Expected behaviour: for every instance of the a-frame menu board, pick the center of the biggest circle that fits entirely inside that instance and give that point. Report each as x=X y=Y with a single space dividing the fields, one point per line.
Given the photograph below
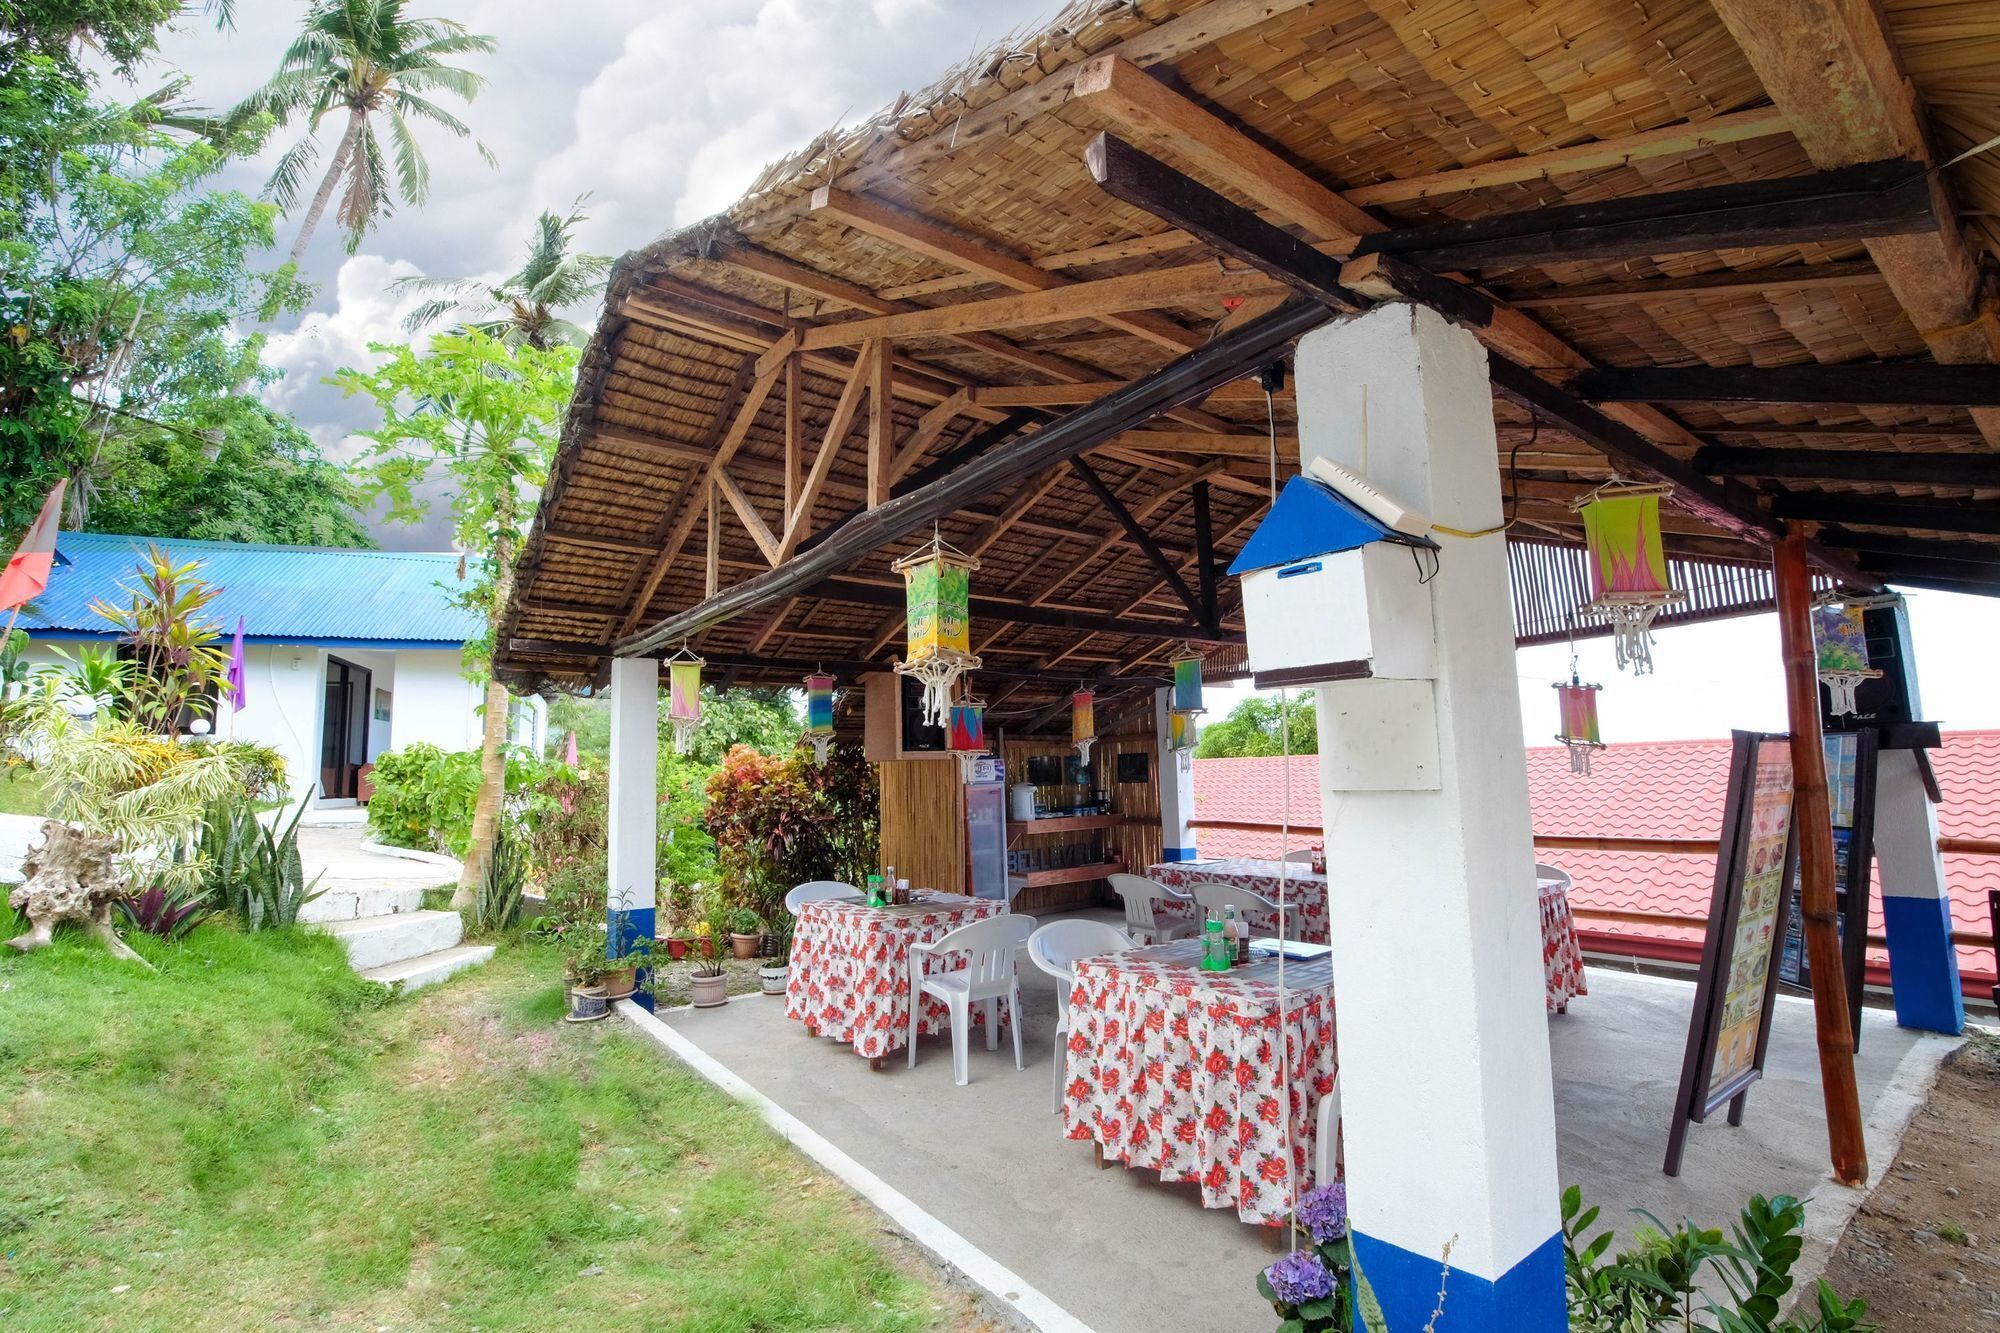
x=1850 y=783
x=1731 y=1027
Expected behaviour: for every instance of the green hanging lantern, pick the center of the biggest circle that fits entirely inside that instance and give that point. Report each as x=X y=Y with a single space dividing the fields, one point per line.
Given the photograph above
x=937 y=584
x=1628 y=567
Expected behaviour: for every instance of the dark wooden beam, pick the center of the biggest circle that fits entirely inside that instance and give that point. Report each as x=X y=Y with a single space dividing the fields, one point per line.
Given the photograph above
x=1890 y=198
x=1720 y=282
x=1136 y=531
x=1002 y=610
x=1904 y=431
x=848 y=668
x=1934 y=516
x=1204 y=554
x=1916 y=548
x=1889 y=466
x=1188 y=378
x=1974 y=576
x=1878 y=383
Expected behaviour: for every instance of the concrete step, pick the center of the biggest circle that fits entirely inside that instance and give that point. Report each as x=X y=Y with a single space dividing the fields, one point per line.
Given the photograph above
x=376 y=941
x=349 y=901
x=428 y=969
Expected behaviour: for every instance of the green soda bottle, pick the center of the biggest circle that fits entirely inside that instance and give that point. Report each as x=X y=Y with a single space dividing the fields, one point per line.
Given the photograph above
x=874 y=890
x=1214 y=947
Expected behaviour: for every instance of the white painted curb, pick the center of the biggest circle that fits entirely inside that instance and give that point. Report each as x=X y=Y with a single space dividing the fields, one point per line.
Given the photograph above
x=982 y=1269
x=410 y=854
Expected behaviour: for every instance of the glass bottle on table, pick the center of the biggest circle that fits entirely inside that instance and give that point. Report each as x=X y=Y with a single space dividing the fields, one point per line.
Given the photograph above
x=1236 y=936
x=1214 y=947
x=874 y=890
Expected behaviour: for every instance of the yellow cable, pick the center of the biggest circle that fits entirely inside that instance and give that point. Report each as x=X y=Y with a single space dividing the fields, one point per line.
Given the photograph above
x=1460 y=532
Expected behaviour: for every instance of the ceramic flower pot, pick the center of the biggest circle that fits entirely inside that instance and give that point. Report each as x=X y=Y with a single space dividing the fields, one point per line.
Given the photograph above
x=677 y=948
x=745 y=946
x=620 y=982
x=708 y=992
x=771 y=978
x=586 y=1003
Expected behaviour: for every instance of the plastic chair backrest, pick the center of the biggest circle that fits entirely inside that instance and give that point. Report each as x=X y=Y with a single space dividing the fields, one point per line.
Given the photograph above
x=1212 y=896
x=991 y=944
x=1302 y=857
x=1056 y=947
x=814 y=890
x=1139 y=895
x=1543 y=870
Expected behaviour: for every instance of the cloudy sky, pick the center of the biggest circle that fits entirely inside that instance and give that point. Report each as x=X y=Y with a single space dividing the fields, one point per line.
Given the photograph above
x=663 y=111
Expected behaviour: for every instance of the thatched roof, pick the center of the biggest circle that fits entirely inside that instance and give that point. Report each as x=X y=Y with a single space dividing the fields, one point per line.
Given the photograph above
x=975 y=189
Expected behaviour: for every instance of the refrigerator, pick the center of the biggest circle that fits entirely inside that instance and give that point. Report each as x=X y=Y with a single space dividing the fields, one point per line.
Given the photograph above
x=986 y=831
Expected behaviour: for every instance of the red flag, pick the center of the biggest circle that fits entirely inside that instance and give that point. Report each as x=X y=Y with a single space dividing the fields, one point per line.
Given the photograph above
x=27 y=572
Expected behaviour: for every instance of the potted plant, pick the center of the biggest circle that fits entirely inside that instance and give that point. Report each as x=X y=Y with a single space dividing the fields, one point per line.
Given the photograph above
x=584 y=967
x=746 y=932
x=771 y=976
x=621 y=974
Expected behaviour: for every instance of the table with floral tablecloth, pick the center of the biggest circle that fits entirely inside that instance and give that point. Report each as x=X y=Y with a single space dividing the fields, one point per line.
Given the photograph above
x=1306 y=916
x=1182 y=1071
x=850 y=970
x=1562 y=953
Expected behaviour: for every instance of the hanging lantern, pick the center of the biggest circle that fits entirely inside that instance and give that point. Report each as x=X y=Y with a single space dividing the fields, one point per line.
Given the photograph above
x=1184 y=708
x=819 y=714
x=966 y=737
x=684 y=697
x=1083 y=722
x=1628 y=567
x=937 y=584
x=1841 y=637
x=1578 y=702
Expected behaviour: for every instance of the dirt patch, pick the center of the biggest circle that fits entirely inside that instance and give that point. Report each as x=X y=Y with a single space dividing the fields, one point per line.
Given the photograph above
x=1924 y=1251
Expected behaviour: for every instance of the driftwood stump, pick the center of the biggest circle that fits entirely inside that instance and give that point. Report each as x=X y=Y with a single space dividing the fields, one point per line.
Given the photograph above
x=71 y=877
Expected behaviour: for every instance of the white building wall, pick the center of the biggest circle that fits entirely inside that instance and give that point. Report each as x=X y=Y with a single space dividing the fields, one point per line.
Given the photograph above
x=434 y=701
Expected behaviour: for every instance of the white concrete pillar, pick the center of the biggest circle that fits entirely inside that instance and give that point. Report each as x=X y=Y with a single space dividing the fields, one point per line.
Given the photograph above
x=633 y=833
x=1916 y=906
x=1446 y=1091
x=1177 y=837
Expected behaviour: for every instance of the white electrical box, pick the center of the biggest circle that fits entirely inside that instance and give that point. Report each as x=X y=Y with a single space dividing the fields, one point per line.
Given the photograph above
x=1343 y=616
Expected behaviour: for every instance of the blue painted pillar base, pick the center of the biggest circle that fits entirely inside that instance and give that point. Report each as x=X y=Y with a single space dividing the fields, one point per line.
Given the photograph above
x=624 y=929
x=1528 y=1298
x=1177 y=854
x=1923 y=964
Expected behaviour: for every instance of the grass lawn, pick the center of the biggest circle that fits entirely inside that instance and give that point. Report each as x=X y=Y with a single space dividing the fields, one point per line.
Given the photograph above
x=255 y=1138
x=20 y=793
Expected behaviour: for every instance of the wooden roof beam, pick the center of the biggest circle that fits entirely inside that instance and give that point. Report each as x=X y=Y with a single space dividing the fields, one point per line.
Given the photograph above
x=1889 y=467
x=1876 y=383
x=799 y=522
x=1721 y=282
x=1833 y=69
x=1941 y=516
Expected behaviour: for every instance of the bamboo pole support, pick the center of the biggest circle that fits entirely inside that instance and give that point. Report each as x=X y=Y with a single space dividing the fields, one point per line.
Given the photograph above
x=1812 y=825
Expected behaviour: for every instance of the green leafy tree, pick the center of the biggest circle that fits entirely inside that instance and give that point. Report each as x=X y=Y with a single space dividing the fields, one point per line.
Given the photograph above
x=484 y=419
x=368 y=60
x=1255 y=727
x=524 y=306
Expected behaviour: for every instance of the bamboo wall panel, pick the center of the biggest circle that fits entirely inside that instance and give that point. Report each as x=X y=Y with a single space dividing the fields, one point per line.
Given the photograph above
x=923 y=822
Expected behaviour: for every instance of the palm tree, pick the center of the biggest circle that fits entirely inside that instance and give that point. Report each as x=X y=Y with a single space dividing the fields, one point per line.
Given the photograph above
x=365 y=57
x=521 y=308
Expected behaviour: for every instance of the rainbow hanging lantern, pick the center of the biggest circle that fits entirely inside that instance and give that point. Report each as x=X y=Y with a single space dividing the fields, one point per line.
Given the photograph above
x=1628 y=567
x=937 y=585
x=1840 y=636
x=1578 y=702
x=819 y=714
x=1083 y=722
x=966 y=736
x=1184 y=707
x=684 y=697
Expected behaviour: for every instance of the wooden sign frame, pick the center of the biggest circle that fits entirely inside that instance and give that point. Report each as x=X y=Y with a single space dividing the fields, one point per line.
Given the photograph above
x=1856 y=885
x=1744 y=854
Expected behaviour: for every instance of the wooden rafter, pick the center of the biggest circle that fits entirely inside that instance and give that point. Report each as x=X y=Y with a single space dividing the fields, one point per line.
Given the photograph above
x=1886 y=466
x=1722 y=282
x=881 y=424
x=799 y=522
x=1833 y=69
x=1879 y=383
x=753 y=522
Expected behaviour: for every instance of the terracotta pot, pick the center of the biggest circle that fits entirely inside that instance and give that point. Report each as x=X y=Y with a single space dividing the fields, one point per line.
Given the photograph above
x=708 y=992
x=771 y=978
x=620 y=982
x=745 y=946
x=677 y=948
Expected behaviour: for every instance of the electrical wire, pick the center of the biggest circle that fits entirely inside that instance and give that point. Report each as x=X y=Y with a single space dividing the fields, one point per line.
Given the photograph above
x=1514 y=491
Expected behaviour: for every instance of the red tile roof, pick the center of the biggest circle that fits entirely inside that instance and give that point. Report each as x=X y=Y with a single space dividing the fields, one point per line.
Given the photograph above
x=1659 y=790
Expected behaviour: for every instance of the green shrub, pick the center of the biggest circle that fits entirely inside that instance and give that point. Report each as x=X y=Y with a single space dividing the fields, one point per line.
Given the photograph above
x=423 y=798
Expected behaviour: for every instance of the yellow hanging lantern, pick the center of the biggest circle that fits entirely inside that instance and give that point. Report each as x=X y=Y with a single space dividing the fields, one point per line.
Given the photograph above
x=684 y=697
x=937 y=585
x=1083 y=722
x=1840 y=638
x=1628 y=567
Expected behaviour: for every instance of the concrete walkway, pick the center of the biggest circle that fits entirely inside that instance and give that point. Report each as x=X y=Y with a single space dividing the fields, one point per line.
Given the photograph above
x=1125 y=1254
x=373 y=902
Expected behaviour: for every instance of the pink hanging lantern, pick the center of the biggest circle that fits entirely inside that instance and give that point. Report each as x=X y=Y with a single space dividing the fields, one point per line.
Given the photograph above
x=1578 y=703
x=966 y=736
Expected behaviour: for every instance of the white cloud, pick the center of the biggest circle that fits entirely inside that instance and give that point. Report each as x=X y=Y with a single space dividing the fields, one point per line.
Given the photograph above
x=365 y=311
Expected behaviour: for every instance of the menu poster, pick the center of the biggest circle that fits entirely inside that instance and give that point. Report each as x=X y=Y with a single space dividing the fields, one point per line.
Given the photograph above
x=1734 y=994
x=1851 y=759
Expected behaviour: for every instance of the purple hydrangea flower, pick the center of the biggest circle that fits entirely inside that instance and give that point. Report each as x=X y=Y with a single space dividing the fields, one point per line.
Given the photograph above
x=1300 y=1277
x=1323 y=1213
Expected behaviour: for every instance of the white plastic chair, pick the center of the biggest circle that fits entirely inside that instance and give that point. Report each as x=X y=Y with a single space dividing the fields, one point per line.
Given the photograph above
x=1054 y=949
x=1139 y=895
x=1326 y=1142
x=1212 y=896
x=814 y=890
x=1543 y=870
x=986 y=979
x=1302 y=857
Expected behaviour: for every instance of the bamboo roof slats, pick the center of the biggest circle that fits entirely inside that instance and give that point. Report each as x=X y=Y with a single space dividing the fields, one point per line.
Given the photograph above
x=960 y=232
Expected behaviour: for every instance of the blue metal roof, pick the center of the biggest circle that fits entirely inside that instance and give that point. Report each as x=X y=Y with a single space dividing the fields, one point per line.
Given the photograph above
x=285 y=594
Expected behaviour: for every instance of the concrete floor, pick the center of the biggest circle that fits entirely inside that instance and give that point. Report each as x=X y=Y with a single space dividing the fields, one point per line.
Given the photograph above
x=1125 y=1254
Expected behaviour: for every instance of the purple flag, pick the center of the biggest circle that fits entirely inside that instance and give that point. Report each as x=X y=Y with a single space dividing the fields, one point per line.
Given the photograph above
x=236 y=694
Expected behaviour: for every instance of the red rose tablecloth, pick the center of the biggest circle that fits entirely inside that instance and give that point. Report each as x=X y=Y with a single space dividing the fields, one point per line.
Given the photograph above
x=850 y=969
x=1562 y=954
x=1178 y=1071
x=1305 y=893
x=1306 y=913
